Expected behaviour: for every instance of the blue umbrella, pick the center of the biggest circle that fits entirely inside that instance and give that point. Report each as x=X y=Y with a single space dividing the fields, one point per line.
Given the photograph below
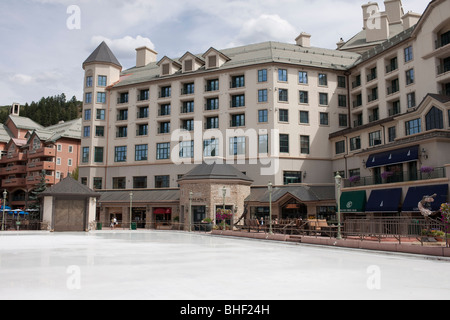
x=23 y=213
x=6 y=208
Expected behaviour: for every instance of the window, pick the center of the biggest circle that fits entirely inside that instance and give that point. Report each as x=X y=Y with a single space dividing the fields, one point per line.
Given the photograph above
x=411 y=99
x=292 y=177
x=263 y=144
x=86 y=131
x=341 y=82
x=284 y=143
x=304 y=144
x=188 y=88
x=89 y=81
x=162 y=151
x=166 y=92
x=98 y=154
x=139 y=182
x=303 y=77
x=372 y=74
x=238 y=101
x=283 y=115
x=262 y=115
x=101 y=97
x=262 y=95
x=304 y=117
x=87 y=114
x=343 y=120
x=212 y=85
x=187 y=125
x=186 y=149
x=119 y=183
x=238 y=81
x=212 y=104
x=120 y=154
x=122 y=115
x=340 y=147
x=408 y=54
x=211 y=148
x=85 y=155
x=262 y=75
x=212 y=123
x=282 y=75
x=99 y=131
x=188 y=107
x=355 y=143
x=237 y=146
x=392 y=134
x=84 y=181
x=98 y=182
x=238 y=120
x=162 y=182
x=102 y=81
x=413 y=126
x=374 y=138
x=101 y=114
x=69 y=162
x=283 y=95
x=323 y=99
x=141 y=152
x=342 y=100
x=142 y=113
x=303 y=96
x=123 y=98
x=324 y=118
x=88 y=97
x=122 y=132
x=323 y=80
x=164 y=127
x=410 y=76
x=144 y=95
x=434 y=119
x=70 y=149
x=164 y=110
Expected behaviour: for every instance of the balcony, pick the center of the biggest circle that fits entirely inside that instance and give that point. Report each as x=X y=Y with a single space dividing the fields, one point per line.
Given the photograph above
x=14 y=158
x=39 y=166
x=394 y=177
x=43 y=152
x=12 y=183
x=33 y=180
x=13 y=170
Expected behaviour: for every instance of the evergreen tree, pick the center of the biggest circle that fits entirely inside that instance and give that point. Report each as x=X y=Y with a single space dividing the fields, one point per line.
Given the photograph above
x=34 y=196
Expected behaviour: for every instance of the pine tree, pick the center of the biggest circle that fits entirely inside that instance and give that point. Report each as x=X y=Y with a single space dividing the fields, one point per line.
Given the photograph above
x=34 y=196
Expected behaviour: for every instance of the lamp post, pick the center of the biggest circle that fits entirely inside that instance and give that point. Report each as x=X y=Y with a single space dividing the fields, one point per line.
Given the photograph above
x=270 y=187
x=224 y=194
x=190 y=209
x=4 y=204
x=338 y=180
x=131 y=208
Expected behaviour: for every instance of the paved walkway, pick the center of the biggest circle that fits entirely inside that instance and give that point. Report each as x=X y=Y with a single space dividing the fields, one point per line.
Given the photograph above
x=169 y=265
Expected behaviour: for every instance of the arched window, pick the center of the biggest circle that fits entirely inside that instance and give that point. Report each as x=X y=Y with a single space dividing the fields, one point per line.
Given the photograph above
x=434 y=119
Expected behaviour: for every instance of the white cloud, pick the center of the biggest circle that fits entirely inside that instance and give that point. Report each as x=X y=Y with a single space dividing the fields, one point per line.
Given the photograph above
x=123 y=48
x=21 y=79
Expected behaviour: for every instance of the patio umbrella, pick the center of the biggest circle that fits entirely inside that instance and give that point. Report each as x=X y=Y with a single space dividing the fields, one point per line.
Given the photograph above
x=23 y=213
x=6 y=208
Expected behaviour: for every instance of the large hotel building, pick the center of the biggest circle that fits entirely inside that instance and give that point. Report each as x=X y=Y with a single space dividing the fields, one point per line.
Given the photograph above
x=376 y=110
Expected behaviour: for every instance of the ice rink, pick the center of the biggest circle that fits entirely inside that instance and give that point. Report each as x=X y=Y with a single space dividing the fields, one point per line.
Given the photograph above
x=166 y=265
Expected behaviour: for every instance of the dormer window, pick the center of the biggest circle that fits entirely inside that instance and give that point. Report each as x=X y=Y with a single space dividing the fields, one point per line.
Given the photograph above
x=214 y=58
x=212 y=62
x=188 y=65
x=191 y=62
x=165 y=69
x=168 y=66
x=36 y=143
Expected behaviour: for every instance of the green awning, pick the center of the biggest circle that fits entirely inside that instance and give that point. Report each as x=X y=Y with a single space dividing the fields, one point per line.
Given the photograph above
x=353 y=201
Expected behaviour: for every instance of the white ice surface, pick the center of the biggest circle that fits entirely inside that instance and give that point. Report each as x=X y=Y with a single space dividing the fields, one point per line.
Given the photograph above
x=161 y=265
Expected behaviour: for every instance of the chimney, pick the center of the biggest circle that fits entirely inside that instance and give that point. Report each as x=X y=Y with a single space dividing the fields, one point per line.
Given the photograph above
x=304 y=40
x=144 y=56
x=370 y=10
x=377 y=28
x=394 y=11
x=410 y=19
x=15 y=109
x=340 y=44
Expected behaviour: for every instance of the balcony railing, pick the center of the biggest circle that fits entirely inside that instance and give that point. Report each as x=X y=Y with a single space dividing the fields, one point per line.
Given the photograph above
x=43 y=152
x=395 y=177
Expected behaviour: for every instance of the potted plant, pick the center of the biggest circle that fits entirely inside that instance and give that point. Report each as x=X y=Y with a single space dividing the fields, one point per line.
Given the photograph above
x=354 y=179
x=427 y=170
x=387 y=174
x=207 y=222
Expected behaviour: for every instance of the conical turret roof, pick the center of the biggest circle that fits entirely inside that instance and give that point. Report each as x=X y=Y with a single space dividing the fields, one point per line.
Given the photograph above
x=103 y=54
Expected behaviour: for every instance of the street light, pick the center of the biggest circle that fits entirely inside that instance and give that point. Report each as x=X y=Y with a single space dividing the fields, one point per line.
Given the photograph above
x=131 y=208
x=338 y=180
x=270 y=187
x=4 y=205
x=224 y=194
x=190 y=210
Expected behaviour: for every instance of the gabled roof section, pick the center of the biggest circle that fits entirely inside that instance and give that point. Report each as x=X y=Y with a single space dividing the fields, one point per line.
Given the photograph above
x=193 y=56
x=215 y=171
x=302 y=193
x=103 y=54
x=166 y=58
x=217 y=52
x=24 y=123
x=69 y=187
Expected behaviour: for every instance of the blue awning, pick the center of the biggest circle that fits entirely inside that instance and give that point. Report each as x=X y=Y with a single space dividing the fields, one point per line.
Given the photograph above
x=393 y=157
x=386 y=200
x=415 y=195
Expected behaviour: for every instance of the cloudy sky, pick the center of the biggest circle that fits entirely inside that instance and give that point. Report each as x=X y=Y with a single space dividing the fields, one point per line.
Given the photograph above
x=44 y=42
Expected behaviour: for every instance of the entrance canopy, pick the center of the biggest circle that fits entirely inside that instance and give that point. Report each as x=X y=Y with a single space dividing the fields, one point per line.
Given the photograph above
x=415 y=195
x=393 y=157
x=385 y=200
x=353 y=201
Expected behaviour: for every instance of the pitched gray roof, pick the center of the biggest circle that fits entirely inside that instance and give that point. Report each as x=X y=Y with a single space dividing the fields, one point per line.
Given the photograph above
x=69 y=187
x=24 y=123
x=253 y=54
x=215 y=171
x=103 y=54
x=140 y=196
